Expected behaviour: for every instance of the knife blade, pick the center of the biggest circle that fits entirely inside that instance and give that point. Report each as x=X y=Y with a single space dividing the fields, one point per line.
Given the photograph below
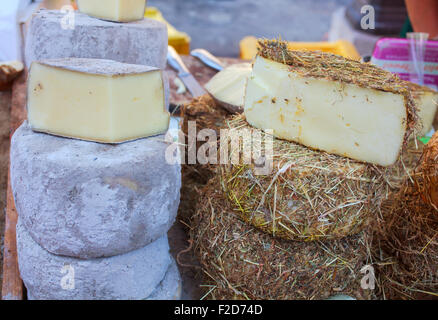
x=184 y=74
x=208 y=59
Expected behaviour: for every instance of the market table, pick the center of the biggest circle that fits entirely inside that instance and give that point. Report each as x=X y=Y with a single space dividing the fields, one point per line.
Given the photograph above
x=13 y=288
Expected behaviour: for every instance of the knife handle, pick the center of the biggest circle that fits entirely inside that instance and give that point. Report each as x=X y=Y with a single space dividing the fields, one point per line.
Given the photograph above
x=209 y=59
x=175 y=61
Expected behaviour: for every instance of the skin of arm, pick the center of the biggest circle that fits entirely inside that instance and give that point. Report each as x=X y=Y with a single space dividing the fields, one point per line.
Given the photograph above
x=424 y=16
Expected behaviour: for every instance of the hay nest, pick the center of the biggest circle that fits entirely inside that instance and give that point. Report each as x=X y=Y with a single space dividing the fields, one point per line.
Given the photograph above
x=406 y=241
x=241 y=262
x=310 y=195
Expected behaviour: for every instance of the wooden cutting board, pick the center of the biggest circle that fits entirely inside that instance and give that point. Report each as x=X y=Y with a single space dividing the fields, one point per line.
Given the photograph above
x=12 y=287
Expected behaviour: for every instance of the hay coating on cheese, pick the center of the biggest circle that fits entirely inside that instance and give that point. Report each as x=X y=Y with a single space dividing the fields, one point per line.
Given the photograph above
x=323 y=65
x=425 y=179
x=309 y=195
x=405 y=248
x=405 y=244
x=241 y=262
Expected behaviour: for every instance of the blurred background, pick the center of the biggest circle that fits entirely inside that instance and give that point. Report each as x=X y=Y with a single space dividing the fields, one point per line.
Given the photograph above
x=219 y=25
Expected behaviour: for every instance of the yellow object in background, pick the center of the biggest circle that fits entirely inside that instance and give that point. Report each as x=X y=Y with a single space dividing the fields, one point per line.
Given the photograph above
x=177 y=39
x=248 y=48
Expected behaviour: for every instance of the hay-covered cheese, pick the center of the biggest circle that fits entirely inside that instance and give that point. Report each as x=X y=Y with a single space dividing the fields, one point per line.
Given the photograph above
x=114 y=10
x=405 y=235
x=96 y=100
x=309 y=194
x=426 y=175
x=241 y=262
x=329 y=103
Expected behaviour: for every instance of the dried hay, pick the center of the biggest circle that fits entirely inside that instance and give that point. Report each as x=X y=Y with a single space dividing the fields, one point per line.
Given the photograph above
x=406 y=248
x=310 y=195
x=241 y=262
x=207 y=114
x=426 y=177
x=226 y=246
x=406 y=241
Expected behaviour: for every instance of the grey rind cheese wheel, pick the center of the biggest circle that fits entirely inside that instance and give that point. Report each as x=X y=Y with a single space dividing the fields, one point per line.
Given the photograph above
x=171 y=287
x=54 y=34
x=89 y=200
x=134 y=275
x=51 y=36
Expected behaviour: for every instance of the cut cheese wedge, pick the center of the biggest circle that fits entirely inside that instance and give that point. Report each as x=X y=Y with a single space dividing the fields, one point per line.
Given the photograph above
x=114 y=10
x=96 y=100
x=329 y=103
x=227 y=87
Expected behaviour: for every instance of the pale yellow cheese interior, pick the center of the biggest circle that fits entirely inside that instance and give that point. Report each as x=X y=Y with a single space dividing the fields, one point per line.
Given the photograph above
x=114 y=10
x=96 y=107
x=228 y=85
x=343 y=119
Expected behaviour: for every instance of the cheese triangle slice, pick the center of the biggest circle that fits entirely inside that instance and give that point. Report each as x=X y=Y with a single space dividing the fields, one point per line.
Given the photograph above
x=96 y=100
x=329 y=103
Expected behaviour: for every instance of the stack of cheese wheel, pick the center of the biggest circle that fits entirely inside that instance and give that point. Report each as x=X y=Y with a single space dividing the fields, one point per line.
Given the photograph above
x=322 y=143
x=94 y=193
x=338 y=128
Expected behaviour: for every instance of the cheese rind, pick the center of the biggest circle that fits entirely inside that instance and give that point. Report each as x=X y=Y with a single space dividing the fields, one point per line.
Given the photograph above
x=130 y=276
x=96 y=100
x=171 y=286
x=140 y=42
x=360 y=123
x=88 y=200
x=114 y=10
x=168 y=289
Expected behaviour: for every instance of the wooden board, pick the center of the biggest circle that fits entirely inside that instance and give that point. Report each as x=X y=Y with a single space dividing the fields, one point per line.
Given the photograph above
x=13 y=288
